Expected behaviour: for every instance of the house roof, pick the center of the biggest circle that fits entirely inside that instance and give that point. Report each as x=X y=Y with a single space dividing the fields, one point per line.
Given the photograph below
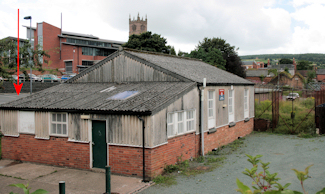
x=303 y=72
x=248 y=62
x=191 y=69
x=282 y=66
x=258 y=73
x=320 y=71
x=90 y=97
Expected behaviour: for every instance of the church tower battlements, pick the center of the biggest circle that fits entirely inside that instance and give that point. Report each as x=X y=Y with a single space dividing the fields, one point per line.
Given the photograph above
x=137 y=26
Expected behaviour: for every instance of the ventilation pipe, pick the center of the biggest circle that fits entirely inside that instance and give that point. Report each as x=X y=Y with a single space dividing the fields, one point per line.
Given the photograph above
x=202 y=116
x=143 y=151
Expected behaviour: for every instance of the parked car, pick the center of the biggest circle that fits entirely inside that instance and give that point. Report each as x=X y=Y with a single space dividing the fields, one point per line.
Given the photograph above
x=35 y=78
x=292 y=96
x=21 y=78
x=66 y=77
x=50 y=78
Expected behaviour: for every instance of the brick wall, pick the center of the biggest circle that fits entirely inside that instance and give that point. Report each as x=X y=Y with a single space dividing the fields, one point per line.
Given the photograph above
x=56 y=151
x=122 y=159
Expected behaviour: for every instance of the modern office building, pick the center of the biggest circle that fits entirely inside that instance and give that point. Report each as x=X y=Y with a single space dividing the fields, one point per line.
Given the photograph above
x=70 y=52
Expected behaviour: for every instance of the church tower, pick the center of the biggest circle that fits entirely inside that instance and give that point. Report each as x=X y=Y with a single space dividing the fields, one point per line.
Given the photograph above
x=137 y=26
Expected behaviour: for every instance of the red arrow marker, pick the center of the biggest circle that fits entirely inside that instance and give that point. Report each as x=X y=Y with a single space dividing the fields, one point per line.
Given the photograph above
x=18 y=86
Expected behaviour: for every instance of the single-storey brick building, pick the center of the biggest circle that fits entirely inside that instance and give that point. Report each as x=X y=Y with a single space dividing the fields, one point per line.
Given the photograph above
x=103 y=115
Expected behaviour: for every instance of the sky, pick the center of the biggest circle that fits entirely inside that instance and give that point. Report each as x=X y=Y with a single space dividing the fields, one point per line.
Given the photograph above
x=253 y=26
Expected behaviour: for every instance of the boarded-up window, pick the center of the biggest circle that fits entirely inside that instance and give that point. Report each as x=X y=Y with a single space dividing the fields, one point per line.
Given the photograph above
x=26 y=122
x=9 y=122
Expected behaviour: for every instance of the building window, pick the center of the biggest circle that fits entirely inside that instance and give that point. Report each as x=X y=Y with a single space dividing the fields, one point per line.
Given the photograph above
x=26 y=122
x=134 y=27
x=59 y=124
x=231 y=115
x=246 y=105
x=142 y=27
x=87 y=63
x=190 y=120
x=170 y=125
x=68 y=67
x=211 y=110
x=180 y=122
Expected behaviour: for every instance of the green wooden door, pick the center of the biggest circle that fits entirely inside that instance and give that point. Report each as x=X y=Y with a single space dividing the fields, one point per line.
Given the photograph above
x=99 y=144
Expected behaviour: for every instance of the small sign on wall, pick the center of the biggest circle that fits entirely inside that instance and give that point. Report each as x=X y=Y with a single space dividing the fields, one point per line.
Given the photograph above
x=221 y=94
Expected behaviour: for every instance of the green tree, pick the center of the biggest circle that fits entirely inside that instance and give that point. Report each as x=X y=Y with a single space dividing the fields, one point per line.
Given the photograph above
x=213 y=57
x=304 y=65
x=286 y=69
x=310 y=76
x=149 y=42
x=274 y=71
x=27 y=57
x=219 y=46
x=285 y=61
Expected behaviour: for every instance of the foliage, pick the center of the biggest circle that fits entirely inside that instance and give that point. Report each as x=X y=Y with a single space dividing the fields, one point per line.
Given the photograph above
x=213 y=56
x=8 y=58
x=286 y=125
x=313 y=57
x=165 y=180
x=285 y=61
x=274 y=71
x=149 y=42
x=262 y=77
x=286 y=69
x=265 y=183
x=218 y=46
x=304 y=65
x=26 y=189
x=310 y=76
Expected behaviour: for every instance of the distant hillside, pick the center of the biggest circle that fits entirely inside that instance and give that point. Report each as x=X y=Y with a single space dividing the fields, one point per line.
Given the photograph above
x=319 y=59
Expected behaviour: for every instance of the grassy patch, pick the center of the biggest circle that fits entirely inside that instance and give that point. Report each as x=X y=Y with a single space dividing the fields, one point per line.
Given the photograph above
x=165 y=180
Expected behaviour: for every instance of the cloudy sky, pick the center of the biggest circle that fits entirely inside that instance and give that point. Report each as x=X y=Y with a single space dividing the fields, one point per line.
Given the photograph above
x=255 y=26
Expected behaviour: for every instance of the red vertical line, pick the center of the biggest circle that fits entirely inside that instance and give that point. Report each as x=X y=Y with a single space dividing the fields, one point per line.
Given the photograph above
x=18 y=52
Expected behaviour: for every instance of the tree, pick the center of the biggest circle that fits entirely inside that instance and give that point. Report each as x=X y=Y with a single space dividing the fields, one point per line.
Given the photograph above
x=149 y=42
x=274 y=71
x=304 y=65
x=286 y=69
x=27 y=57
x=218 y=46
x=285 y=61
x=213 y=57
x=310 y=76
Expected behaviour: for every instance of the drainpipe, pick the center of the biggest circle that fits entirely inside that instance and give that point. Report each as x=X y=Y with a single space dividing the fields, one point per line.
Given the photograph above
x=143 y=151
x=202 y=116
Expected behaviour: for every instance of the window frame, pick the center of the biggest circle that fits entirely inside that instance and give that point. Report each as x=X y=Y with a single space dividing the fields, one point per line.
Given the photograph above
x=51 y=122
x=175 y=123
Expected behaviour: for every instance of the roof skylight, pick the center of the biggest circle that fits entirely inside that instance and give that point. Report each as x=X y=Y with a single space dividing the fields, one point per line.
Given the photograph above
x=123 y=95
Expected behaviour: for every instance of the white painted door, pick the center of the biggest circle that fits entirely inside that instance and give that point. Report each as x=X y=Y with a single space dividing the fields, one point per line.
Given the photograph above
x=231 y=115
x=211 y=110
x=246 y=105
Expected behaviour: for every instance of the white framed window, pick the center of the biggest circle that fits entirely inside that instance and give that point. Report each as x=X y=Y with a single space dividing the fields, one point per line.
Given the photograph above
x=170 y=125
x=59 y=124
x=211 y=109
x=190 y=120
x=180 y=122
x=246 y=104
x=231 y=115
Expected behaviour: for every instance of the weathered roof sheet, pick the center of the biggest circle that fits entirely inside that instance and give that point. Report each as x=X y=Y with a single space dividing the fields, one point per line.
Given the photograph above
x=191 y=69
x=258 y=73
x=248 y=62
x=282 y=66
x=152 y=97
x=320 y=71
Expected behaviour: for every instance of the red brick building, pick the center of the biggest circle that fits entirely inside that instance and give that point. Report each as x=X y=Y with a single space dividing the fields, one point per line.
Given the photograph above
x=70 y=52
x=129 y=104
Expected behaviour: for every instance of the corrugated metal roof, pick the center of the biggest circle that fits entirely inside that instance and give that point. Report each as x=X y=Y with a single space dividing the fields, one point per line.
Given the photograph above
x=151 y=97
x=191 y=69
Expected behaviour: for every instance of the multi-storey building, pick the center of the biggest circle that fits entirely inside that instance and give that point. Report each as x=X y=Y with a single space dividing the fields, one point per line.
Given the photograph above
x=70 y=52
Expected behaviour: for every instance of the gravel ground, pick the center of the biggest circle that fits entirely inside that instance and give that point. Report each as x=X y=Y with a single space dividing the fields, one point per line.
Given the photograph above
x=283 y=151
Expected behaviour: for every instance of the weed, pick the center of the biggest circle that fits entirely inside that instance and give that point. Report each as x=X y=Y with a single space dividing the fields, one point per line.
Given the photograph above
x=199 y=159
x=165 y=180
x=19 y=178
x=214 y=159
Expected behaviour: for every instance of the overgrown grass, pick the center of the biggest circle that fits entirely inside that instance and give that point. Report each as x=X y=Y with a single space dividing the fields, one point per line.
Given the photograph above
x=301 y=123
x=166 y=180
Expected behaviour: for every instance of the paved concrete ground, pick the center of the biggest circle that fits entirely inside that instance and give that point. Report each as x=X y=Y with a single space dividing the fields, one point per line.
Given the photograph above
x=7 y=97
x=283 y=151
x=76 y=181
